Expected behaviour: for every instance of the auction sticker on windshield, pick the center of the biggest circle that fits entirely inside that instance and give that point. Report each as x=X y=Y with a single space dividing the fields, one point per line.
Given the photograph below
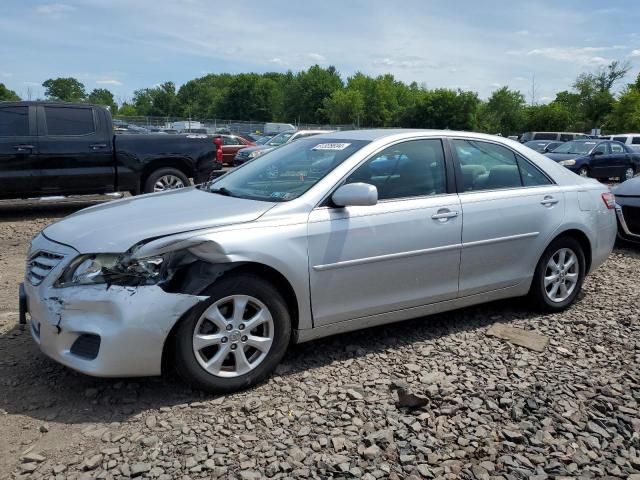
x=331 y=146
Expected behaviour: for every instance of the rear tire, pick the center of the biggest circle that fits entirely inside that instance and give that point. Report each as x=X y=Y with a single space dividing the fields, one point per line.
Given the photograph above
x=214 y=343
x=165 y=179
x=556 y=281
x=628 y=173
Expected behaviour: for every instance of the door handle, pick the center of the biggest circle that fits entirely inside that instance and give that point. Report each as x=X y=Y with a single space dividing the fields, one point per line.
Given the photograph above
x=548 y=201
x=24 y=148
x=97 y=146
x=443 y=215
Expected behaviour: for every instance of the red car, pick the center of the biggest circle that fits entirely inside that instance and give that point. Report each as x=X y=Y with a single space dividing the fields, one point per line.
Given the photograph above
x=230 y=146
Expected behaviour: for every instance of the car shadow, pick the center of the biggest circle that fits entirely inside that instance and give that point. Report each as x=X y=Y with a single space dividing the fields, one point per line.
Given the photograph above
x=37 y=387
x=53 y=207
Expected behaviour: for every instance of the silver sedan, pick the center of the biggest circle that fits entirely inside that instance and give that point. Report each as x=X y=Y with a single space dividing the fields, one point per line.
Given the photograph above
x=325 y=235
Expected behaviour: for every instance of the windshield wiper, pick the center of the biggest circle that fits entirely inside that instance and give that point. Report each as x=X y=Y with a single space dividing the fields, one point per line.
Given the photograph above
x=222 y=191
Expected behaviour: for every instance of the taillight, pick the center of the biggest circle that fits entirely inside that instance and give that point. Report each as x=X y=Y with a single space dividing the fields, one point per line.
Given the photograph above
x=609 y=200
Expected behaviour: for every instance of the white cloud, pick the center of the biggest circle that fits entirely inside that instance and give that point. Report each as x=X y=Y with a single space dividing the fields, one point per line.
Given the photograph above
x=400 y=62
x=316 y=57
x=635 y=53
x=496 y=85
x=6 y=74
x=580 y=55
x=523 y=32
x=109 y=81
x=55 y=10
x=278 y=61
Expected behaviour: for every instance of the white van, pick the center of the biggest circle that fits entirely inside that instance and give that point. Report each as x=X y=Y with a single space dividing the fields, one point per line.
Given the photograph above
x=560 y=136
x=631 y=140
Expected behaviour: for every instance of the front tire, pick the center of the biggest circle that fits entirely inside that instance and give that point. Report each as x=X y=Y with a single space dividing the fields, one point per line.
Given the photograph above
x=583 y=172
x=558 y=276
x=235 y=338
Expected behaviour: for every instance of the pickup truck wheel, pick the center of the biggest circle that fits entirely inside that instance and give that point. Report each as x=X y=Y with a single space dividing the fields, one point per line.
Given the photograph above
x=235 y=338
x=165 y=179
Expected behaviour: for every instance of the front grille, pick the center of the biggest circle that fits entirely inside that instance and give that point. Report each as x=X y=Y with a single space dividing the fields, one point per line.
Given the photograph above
x=86 y=346
x=632 y=218
x=242 y=155
x=40 y=264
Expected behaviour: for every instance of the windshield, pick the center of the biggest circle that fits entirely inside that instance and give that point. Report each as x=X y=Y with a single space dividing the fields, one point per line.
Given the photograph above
x=287 y=172
x=537 y=146
x=280 y=139
x=575 y=147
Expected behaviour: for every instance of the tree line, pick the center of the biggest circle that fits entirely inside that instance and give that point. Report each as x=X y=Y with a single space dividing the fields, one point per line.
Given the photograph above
x=320 y=95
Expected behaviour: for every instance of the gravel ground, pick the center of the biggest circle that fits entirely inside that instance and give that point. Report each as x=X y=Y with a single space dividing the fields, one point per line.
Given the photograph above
x=493 y=409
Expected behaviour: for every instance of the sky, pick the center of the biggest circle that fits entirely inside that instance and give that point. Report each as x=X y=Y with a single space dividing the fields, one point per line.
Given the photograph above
x=480 y=45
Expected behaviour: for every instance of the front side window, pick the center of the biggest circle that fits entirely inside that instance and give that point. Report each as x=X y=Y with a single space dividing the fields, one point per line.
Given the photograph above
x=486 y=166
x=14 y=121
x=564 y=137
x=280 y=139
x=577 y=147
x=620 y=139
x=635 y=140
x=230 y=141
x=287 y=172
x=409 y=169
x=546 y=136
x=601 y=148
x=69 y=121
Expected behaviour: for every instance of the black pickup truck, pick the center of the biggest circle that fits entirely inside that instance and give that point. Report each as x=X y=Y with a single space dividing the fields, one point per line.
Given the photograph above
x=70 y=149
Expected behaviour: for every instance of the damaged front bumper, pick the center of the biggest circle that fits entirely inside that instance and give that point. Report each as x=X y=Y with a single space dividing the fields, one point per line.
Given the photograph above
x=102 y=331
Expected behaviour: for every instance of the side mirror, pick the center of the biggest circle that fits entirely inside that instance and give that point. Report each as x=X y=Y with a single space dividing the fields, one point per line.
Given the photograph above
x=356 y=195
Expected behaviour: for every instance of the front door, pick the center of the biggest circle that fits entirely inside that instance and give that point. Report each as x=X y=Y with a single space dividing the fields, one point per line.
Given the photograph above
x=400 y=253
x=75 y=150
x=19 y=175
x=510 y=211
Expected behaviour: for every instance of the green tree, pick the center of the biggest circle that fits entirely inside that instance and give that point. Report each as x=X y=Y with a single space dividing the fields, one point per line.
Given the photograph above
x=504 y=112
x=304 y=98
x=625 y=114
x=344 y=106
x=7 y=95
x=102 y=96
x=443 y=109
x=157 y=101
x=64 y=89
x=554 y=117
x=127 y=109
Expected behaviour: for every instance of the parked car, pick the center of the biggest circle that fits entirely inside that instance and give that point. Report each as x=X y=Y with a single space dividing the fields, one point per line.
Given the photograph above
x=628 y=209
x=285 y=137
x=543 y=146
x=231 y=144
x=560 y=136
x=631 y=140
x=273 y=128
x=306 y=242
x=597 y=158
x=70 y=149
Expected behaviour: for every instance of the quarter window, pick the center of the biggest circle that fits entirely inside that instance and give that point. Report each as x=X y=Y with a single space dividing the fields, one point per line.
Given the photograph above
x=69 y=121
x=531 y=175
x=14 y=121
x=410 y=169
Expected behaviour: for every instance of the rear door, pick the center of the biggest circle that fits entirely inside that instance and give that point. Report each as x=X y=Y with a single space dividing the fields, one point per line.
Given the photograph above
x=75 y=150
x=510 y=210
x=230 y=146
x=602 y=165
x=19 y=175
x=619 y=159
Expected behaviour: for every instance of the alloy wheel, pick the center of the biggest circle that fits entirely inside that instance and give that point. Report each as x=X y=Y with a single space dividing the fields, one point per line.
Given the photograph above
x=561 y=275
x=167 y=182
x=629 y=173
x=233 y=336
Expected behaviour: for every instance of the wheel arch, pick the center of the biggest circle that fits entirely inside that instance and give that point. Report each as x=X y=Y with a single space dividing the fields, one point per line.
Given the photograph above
x=179 y=163
x=261 y=270
x=584 y=242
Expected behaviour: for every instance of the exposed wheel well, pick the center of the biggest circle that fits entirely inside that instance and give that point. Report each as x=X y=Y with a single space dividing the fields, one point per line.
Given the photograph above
x=177 y=163
x=270 y=274
x=584 y=242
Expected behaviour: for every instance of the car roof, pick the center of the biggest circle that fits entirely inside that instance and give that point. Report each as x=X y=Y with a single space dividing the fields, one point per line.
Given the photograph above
x=380 y=133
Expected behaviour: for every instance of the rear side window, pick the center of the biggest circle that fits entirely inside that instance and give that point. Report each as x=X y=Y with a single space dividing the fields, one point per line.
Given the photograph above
x=14 y=121
x=565 y=137
x=486 y=166
x=546 y=136
x=620 y=139
x=635 y=140
x=617 y=148
x=69 y=121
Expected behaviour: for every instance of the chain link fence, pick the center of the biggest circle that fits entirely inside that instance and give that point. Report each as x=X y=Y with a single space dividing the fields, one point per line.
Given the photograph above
x=143 y=124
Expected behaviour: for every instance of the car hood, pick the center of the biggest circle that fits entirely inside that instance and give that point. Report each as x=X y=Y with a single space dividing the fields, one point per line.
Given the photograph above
x=257 y=148
x=563 y=156
x=630 y=188
x=116 y=226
